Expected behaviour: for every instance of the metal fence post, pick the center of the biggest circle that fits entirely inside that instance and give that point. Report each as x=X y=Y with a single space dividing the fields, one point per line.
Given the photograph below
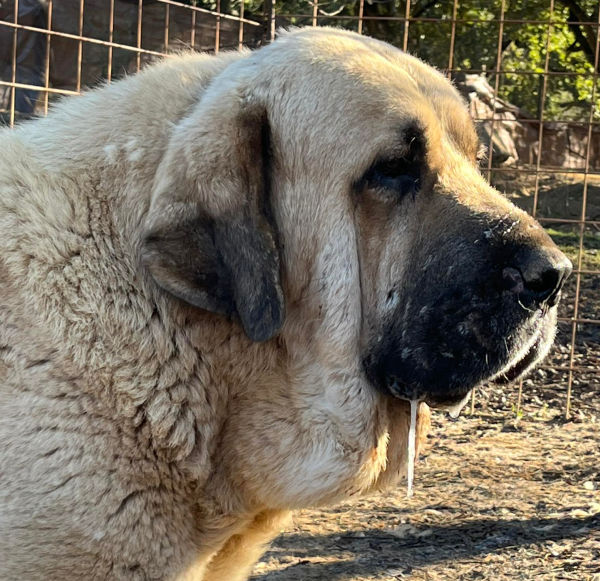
x=269 y=21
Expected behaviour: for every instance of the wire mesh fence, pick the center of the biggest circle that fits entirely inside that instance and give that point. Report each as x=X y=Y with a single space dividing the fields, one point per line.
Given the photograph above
x=528 y=70
x=50 y=48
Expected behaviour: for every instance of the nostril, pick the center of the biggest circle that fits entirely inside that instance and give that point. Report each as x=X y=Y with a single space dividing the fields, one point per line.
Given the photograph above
x=513 y=280
x=546 y=283
x=541 y=272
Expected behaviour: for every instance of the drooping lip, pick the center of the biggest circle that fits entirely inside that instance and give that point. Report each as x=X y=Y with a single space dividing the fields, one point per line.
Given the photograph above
x=455 y=401
x=455 y=408
x=518 y=361
x=522 y=365
x=452 y=402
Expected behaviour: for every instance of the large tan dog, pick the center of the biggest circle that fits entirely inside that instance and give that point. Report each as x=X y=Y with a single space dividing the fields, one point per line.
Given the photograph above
x=221 y=280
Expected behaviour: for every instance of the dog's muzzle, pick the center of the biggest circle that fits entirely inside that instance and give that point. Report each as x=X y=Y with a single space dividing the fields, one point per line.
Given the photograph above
x=497 y=328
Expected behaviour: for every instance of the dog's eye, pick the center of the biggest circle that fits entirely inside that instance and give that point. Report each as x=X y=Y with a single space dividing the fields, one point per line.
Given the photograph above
x=399 y=175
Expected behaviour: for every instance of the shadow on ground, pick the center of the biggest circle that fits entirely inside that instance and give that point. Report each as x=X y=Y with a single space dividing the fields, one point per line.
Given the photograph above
x=425 y=546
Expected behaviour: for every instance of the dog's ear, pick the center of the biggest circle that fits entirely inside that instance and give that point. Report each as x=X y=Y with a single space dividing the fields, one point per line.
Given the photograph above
x=210 y=236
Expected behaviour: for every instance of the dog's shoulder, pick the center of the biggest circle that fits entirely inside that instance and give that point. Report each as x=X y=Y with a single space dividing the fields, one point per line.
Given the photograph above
x=72 y=187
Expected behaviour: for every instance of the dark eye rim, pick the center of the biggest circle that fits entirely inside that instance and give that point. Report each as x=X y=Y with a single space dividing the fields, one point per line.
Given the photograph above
x=395 y=167
x=398 y=175
x=401 y=170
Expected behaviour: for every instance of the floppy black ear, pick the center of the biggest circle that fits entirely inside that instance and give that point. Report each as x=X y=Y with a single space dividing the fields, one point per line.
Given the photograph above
x=210 y=236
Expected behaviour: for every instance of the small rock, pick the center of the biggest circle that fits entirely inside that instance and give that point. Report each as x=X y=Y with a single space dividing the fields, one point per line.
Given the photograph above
x=405 y=530
x=594 y=507
x=494 y=542
x=398 y=573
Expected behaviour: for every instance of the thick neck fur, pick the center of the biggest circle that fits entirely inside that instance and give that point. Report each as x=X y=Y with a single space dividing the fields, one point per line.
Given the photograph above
x=168 y=384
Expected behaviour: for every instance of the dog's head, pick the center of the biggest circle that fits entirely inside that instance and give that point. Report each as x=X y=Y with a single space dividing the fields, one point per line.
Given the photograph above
x=334 y=177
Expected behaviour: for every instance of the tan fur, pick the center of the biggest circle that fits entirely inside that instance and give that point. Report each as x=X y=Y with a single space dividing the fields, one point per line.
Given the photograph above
x=142 y=438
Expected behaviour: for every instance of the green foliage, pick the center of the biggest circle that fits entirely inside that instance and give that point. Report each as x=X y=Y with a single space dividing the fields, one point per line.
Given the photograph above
x=523 y=48
x=569 y=96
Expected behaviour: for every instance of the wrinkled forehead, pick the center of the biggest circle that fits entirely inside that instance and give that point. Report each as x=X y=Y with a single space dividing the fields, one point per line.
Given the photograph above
x=331 y=91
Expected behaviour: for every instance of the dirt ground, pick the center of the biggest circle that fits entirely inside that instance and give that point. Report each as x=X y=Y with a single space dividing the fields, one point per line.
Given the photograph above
x=504 y=493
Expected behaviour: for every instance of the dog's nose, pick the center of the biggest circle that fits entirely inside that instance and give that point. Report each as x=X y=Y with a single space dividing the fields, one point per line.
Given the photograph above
x=538 y=274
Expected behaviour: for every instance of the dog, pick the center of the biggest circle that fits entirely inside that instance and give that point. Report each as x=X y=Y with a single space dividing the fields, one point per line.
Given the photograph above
x=222 y=280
